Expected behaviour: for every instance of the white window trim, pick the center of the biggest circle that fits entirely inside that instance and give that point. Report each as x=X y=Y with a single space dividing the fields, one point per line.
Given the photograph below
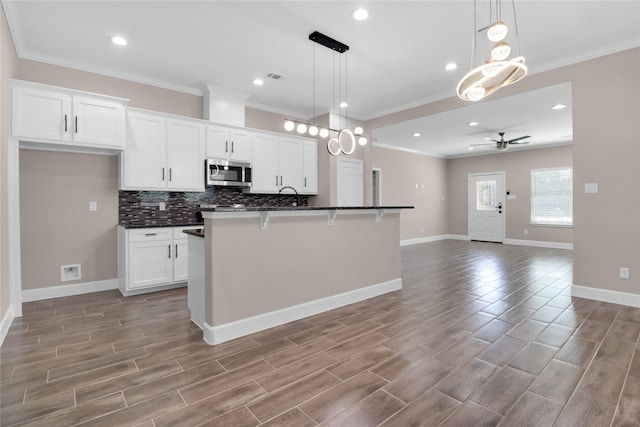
x=548 y=224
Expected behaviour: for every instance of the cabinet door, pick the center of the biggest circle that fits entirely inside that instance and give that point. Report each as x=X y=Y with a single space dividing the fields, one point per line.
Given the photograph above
x=290 y=163
x=150 y=264
x=217 y=142
x=98 y=122
x=144 y=158
x=181 y=260
x=310 y=167
x=185 y=153
x=264 y=172
x=240 y=146
x=41 y=114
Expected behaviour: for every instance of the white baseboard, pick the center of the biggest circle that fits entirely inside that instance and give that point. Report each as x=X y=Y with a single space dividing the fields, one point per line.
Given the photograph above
x=6 y=323
x=538 y=244
x=228 y=331
x=429 y=239
x=68 y=290
x=616 y=297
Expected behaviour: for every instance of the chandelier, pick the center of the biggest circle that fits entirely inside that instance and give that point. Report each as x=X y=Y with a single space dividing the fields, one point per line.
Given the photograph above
x=342 y=140
x=497 y=70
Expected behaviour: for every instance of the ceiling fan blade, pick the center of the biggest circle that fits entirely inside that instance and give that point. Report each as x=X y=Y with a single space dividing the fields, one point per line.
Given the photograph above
x=519 y=142
x=511 y=141
x=478 y=145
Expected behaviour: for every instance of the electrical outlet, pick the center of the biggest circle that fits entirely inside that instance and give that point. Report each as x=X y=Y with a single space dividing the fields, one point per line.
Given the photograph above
x=93 y=206
x=624 y=272
x=526 y=231
x=162 y=206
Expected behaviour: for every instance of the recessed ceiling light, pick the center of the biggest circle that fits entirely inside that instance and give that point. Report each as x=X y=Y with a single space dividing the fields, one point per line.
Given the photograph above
x=559 y=106
x=119 y=40
x=416 y=134
x=451 y=66
x=343 y=104
x=360 y=14
x=258 y=82
x=473 y=123
x=488 y=138
x=470 y=148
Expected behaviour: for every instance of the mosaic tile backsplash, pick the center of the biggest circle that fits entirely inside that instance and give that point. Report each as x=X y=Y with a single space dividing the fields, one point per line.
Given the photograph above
x=141 y=208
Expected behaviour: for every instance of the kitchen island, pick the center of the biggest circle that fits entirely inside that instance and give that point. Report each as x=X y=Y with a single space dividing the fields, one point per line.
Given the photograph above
x=255 y=268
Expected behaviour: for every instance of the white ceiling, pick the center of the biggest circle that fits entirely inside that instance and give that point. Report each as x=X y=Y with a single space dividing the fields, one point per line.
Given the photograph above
x=396 y=58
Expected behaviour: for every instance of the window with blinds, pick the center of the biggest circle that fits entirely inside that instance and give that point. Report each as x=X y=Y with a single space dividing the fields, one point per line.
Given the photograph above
x=552 y=196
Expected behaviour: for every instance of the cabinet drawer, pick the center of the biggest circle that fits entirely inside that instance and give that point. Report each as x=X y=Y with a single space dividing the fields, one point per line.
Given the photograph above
x=178 y=231
x=150 y=234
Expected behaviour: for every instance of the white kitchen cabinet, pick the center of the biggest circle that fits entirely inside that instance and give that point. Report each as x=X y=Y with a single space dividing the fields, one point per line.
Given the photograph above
x=310 y=167
x=284 y=161
x=228 y=143
x=150 y=258
x=180 y=255
x=162 y=154
x=47 y=114
x=185 y=155
x=290 y=162
x=265 y=171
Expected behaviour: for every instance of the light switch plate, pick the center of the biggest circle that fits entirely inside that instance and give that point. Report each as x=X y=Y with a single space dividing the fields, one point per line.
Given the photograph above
x=93 y=206
x=591 y=188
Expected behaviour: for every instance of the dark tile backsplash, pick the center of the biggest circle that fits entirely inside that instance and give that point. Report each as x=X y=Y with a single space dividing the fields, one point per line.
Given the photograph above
x=140 y=208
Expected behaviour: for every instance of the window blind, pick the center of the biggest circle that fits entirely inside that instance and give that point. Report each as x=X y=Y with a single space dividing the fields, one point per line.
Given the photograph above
x=552 y=196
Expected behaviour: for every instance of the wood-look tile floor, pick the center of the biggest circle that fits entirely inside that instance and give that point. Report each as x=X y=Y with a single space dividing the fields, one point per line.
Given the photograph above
x=481 y=334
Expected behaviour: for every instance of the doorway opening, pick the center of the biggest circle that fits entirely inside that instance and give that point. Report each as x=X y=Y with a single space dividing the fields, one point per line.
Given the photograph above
x=377 y=187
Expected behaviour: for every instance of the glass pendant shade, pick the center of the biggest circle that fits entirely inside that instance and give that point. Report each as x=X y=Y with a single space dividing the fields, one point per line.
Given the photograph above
x=362 y=140
x=358 y=130
x=302 y=128
x=313 y=130
x=497 y=31
x=289 y=125
x=324 y=133
x=500 y=51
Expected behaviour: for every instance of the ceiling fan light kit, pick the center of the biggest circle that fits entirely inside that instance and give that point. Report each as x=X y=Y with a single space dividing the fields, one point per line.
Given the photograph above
x=502 y=144
x=345 y=141
x=499 y=71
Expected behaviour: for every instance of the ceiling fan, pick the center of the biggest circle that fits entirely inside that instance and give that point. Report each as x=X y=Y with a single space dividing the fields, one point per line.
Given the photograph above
x=502 y=144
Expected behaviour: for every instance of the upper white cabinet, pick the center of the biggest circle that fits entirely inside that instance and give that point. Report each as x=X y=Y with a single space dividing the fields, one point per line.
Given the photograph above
x=162 y=154
x=265 y=174
x=42 y=113
x=228 y=143
x=310 y=167
x=280 y=161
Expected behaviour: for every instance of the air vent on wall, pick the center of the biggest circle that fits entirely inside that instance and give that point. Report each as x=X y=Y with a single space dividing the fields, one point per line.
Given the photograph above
x=275 y=76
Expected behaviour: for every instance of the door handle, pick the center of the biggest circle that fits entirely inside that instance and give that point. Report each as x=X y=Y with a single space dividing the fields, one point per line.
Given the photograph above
x=176 y=251
x=65 y=123
x=169 y=251
x=76 y=124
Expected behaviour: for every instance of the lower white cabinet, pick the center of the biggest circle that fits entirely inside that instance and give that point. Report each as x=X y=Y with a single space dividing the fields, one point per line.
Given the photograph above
x=149 y=258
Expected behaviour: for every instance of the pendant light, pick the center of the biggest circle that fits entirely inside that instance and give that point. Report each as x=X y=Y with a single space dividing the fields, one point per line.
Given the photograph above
x=343 y=141
x=499 y=71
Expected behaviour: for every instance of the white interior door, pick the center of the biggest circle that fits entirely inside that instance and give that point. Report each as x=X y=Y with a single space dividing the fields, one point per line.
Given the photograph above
x=486 y=207
x=350 y=182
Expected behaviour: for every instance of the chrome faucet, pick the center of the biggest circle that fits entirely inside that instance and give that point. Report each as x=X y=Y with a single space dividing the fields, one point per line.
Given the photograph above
x=294 y=190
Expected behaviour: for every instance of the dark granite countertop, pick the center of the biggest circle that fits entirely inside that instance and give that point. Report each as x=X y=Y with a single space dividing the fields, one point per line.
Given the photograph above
x=131 y=226
x=294 y=208
x=198 y=232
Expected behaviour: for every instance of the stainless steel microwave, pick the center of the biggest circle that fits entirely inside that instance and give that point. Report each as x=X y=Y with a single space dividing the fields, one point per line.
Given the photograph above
x=224 y=172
